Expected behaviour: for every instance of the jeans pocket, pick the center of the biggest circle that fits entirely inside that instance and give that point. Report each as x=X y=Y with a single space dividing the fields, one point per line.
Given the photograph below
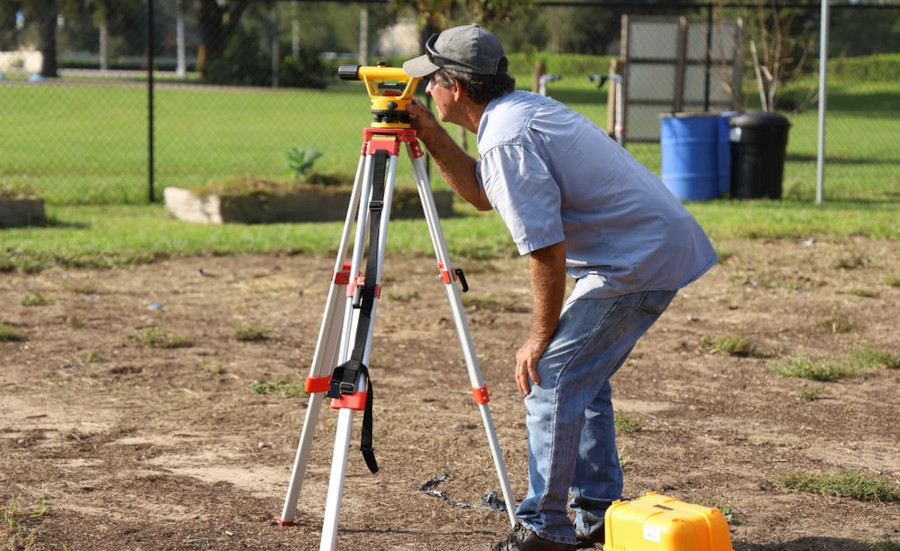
x=656 y=302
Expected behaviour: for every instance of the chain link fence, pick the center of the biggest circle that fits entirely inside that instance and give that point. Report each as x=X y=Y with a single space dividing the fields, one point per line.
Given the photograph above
x=239 y=89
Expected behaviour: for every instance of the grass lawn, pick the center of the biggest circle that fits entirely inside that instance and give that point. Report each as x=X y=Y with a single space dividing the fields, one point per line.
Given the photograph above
x=119 y=235
x=86 y=142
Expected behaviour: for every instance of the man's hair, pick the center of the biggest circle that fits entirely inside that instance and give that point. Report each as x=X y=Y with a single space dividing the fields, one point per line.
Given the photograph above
x=480 y=88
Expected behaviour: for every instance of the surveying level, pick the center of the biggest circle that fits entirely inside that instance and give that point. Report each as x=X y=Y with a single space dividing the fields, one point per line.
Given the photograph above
x=390 y=90
x=339 y=367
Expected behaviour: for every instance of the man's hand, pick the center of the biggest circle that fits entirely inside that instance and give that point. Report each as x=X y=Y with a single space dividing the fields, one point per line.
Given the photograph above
x=526 y=363
x=422 y=120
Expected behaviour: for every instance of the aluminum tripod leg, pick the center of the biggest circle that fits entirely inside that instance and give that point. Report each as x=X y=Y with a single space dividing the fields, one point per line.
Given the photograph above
x=345 y=415
x=325 y=356
x=479 y=390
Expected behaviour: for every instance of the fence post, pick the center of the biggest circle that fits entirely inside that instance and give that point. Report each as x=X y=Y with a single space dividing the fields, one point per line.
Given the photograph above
x=150 y=62
x=708 y=61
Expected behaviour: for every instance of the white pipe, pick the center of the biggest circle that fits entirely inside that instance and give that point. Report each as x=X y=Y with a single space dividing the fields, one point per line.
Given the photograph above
x=181 y=68
x=544 y=80
x=823 y=66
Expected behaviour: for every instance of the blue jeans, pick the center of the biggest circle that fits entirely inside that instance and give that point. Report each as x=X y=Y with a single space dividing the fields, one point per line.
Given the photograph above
x=569 y=415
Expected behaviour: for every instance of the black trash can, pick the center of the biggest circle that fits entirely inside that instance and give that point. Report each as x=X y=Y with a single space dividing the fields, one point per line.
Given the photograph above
x=758 y=144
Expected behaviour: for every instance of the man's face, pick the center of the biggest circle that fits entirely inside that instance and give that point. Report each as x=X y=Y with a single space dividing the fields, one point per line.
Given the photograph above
x=443 y=99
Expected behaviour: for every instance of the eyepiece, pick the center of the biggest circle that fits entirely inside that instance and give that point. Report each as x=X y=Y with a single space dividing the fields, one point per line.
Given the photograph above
x=349 y=72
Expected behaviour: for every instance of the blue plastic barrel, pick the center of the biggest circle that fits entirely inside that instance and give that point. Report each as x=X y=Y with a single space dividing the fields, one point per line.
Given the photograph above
x=725 y=152
x=690 y=156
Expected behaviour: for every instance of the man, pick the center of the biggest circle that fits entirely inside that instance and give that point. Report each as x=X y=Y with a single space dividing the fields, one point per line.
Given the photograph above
x=575 y=202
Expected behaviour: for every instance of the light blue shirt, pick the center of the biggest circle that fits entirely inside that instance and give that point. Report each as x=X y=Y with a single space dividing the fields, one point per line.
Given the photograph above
x=554 y=176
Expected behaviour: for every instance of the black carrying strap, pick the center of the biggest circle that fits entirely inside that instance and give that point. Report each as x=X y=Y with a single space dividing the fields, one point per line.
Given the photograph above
x=343 y=380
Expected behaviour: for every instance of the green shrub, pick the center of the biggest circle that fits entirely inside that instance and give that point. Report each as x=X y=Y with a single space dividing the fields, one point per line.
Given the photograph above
x=873 y=68
x=242 y=64
x=307 y=70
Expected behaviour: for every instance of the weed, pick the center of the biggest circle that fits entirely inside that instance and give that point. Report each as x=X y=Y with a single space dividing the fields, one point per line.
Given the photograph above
x=811 y=395
x=300 y=160
x=250 y=334
x=883 y=545
x=84 y=289
x=868 y=357
x=892 y=280
x=212 y=366
x=159 y=338
x=837 y=323
x=75 y=435
x=801 y=367
x=724 y=255
x=37 y=298
x=285 y=388
x=624 y=461
x=728 y=512
x=15 y=532
x=729 y=515
x=15 y=189
x=865 y=293
x=730 y=345
x=8 y=334
x=851 y=261
x=858 y=485
x=627 y=424
x=94 y=357
x=75 y=321
x=406 y=297
x=482 y=303
x=491 y=304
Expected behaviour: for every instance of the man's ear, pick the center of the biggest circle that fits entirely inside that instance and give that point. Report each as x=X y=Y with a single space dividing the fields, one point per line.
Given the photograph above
x=459 y=92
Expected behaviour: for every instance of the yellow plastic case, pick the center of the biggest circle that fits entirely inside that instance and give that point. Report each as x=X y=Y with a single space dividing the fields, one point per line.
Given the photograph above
x=659 y=523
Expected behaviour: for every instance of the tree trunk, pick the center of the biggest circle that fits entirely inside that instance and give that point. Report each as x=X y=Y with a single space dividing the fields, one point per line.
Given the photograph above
x=45 y=12
x=216 y=25
x=209 y=19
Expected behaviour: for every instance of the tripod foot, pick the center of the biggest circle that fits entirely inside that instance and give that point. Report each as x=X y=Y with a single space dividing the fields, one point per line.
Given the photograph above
x=280 y=522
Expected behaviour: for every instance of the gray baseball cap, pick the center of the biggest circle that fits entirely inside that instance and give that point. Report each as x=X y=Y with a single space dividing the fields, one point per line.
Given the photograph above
x=469 y=49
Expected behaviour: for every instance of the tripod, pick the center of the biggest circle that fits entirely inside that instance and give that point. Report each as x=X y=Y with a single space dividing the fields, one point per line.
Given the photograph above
x=342 y=351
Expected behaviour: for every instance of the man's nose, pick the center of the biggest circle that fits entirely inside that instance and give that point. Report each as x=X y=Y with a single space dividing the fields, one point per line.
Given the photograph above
x=429 y=86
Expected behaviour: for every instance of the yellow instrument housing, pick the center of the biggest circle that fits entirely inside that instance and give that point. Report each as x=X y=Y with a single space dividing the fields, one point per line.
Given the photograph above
x=390 y=91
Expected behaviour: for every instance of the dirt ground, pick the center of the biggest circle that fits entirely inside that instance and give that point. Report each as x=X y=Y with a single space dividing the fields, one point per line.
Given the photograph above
x=108 y=442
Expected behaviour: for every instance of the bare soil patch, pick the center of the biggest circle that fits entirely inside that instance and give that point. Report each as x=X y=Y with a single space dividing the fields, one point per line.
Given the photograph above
x=142 y=447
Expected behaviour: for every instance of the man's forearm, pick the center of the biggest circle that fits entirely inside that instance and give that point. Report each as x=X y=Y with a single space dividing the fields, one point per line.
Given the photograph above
x=457 y=168
x=548 y=280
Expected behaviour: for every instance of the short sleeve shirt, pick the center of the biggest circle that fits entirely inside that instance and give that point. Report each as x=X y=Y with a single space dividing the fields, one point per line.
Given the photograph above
x=554 y=176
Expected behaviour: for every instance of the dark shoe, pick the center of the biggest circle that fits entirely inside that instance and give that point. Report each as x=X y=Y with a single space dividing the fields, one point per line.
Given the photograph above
x=586 y=541
x=523 y=539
